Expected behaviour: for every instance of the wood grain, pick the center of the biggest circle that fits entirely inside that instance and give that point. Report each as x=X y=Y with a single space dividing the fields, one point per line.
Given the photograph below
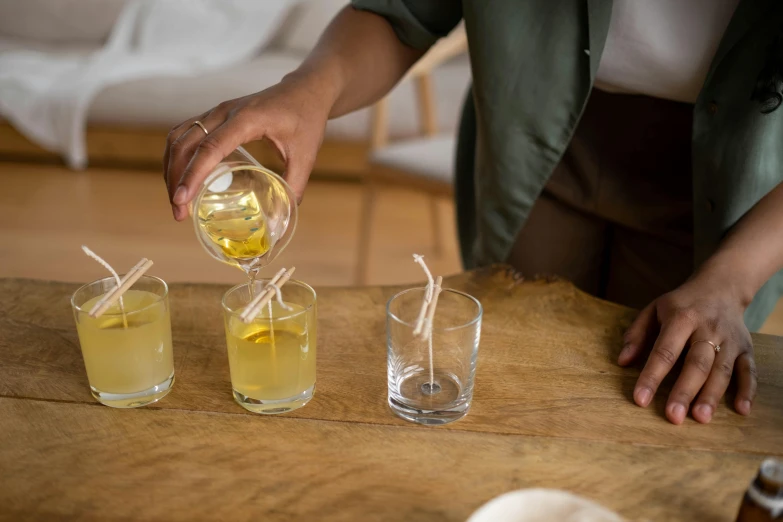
x=88 y=462
x=546 y=363
x=551 y=409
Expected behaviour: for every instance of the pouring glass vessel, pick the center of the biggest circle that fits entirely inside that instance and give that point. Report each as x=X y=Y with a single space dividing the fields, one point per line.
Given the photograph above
x=244 y=214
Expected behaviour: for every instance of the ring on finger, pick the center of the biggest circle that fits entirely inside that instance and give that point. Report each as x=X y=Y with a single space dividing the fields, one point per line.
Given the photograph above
x=201 y=125
x=716 y=347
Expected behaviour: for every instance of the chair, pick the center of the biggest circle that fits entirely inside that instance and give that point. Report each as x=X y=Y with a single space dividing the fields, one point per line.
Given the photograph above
x=424 y=162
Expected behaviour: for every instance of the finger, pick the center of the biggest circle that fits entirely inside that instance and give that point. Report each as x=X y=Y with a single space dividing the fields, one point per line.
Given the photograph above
x=297 y=172
x=298 y=165
x=183 y=148
x=664 y=354
x=716 y=385
x=209 y=152
x=747 y=382
x=173 y=135
x=695 y=372
x=638 y=335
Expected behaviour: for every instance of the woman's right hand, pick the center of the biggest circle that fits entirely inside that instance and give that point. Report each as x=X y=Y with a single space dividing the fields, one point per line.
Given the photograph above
x=292 y=115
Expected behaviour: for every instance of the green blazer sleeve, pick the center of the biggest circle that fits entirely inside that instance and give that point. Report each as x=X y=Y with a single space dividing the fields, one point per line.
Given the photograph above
x=417 y=23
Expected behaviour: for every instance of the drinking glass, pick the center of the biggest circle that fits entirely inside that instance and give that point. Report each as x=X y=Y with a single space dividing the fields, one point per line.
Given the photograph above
x=272 y=359
x=244 y=214
x=437 y=389
x=128 y=356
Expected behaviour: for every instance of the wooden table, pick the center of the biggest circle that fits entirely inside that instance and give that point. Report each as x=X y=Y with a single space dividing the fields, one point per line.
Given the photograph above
x=551 y=409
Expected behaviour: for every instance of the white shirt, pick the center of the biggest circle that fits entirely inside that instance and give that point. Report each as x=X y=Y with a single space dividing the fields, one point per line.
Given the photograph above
x=662 y=48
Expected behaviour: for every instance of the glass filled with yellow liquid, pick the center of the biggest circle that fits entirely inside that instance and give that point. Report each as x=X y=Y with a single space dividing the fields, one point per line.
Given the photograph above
x=244 y=214
x=128 y=356
x=272 y=359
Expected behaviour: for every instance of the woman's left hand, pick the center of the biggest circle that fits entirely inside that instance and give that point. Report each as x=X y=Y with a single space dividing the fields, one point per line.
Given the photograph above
x=702 y=309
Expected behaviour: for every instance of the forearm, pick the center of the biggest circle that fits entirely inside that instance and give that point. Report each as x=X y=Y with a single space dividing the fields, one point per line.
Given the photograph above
x=356 y=62
x=753 y=251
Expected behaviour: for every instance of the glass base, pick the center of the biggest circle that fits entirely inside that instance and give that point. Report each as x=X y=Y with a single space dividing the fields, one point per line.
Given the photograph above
x=428 y=417
x=134 y=400
x=414 y=398
x=271 y=407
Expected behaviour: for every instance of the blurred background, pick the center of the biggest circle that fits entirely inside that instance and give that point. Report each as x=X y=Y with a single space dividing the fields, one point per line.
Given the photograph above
x=380 y=191
x=90 y=88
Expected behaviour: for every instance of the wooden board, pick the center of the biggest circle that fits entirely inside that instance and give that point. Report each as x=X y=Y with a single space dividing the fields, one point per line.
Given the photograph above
x=90 y=462
x=551 y=409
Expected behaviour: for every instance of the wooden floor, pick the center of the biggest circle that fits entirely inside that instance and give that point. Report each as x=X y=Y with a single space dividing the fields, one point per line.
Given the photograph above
x=49 y=212
x=125 y=215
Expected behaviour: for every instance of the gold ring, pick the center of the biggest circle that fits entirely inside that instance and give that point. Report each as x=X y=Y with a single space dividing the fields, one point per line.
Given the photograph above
x=200 y=125
x=717 y=347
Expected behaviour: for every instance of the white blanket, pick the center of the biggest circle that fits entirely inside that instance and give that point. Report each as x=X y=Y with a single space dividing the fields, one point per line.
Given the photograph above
x=47 y=97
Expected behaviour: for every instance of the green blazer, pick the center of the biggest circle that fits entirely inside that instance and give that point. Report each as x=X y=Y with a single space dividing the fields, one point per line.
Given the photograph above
x=534 y=63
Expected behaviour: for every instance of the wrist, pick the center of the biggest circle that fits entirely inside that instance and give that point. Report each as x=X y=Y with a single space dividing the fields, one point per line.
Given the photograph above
x=320 y=82
x=726 y=272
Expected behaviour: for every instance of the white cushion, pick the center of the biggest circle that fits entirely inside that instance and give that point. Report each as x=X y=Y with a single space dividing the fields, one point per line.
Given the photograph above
x=59 y=20
x=165 y=101
x=430 y=157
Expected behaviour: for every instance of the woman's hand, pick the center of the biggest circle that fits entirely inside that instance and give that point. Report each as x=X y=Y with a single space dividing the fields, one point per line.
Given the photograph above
x=703 y=309
x=358 y=59
x=292 y=115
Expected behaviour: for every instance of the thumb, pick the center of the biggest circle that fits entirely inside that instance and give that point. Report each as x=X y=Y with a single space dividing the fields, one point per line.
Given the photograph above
x=636 y=337
x=299 y=162
x=297 y=172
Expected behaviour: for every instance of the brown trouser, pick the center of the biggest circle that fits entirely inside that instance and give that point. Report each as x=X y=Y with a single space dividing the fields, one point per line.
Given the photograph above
x=616 y=216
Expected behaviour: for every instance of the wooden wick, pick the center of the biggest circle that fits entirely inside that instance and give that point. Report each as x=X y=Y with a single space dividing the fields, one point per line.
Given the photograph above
x=423 y=326
x=133 y=275
x=419 y=325
x=257 y=299
x=431 y=309
x=256 y=305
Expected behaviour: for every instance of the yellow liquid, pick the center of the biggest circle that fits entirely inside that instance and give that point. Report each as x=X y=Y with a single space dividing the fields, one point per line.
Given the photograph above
x=272 y=362
x=234 y=221
x=128 y=360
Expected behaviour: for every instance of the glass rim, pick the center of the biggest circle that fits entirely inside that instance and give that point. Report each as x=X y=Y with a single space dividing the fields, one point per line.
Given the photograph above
x=237 y=313
x=159 y=297
x=473 y=321
x=233 y=166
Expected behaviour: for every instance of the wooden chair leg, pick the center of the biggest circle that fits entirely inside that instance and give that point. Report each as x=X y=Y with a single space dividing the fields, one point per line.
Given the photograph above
x=437 y=229
x=365 y=232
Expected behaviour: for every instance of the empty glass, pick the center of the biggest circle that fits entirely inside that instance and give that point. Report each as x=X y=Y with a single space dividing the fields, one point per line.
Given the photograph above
x=440 y=392
x=128 y=356
x=272 y=359
x=244 y=214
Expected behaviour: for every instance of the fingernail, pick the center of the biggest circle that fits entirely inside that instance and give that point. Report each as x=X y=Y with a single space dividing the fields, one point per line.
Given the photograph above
x=704 y=410
x=643 y=396
x=180 y=195
x=744 y=407
x=678 y=411
x=174 y=211
x=626 y=349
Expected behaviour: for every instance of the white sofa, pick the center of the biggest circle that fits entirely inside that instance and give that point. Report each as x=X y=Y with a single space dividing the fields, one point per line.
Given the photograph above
x=80 y=26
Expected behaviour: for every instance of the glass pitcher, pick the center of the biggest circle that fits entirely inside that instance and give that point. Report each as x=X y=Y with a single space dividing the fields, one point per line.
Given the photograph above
x=244 y=214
